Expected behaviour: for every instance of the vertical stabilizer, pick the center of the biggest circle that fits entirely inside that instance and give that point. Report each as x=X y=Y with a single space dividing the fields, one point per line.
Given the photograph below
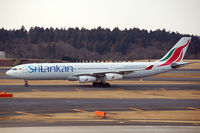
x=177 y=53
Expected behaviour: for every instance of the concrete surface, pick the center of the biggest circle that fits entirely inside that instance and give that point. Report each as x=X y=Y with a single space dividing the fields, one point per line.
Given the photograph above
x=103 y=129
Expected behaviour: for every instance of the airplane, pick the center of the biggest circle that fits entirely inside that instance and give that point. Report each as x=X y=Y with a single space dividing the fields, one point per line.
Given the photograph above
x=99 y=73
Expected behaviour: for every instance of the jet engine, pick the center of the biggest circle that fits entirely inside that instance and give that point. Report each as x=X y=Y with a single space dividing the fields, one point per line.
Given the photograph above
x=86 y=79
x=113 y=76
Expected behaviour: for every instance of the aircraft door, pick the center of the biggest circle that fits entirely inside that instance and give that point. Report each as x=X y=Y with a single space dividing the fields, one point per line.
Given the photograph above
x=24 y=69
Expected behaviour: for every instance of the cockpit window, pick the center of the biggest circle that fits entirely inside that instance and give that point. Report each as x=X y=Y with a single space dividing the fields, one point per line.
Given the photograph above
x=14 y=69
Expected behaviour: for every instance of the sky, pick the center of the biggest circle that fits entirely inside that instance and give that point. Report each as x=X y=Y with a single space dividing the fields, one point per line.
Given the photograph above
x=181 y=16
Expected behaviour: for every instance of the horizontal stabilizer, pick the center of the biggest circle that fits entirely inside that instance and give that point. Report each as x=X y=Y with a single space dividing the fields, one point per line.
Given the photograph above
x=177 y=65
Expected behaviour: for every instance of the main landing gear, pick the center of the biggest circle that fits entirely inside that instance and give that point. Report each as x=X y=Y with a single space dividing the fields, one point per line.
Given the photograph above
x=26 y=83
x=100 y=84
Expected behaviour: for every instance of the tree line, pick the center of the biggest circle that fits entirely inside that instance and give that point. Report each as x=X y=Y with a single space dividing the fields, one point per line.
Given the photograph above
x=94 y=44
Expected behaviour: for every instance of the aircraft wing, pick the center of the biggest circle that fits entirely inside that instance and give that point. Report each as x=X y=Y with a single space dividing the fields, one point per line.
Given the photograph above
x=101 y=74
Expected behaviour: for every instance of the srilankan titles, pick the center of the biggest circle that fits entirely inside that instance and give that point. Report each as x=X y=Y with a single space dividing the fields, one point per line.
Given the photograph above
x=46 y=68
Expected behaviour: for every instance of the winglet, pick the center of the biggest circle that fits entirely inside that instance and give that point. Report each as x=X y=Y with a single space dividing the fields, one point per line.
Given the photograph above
x=149 y=68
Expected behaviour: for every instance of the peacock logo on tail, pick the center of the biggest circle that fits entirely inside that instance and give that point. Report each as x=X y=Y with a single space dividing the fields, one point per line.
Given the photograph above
x=175 y=55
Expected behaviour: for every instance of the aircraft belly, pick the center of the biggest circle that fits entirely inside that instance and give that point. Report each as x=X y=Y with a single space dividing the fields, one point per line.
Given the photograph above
x=45 y=76
x=146 y=73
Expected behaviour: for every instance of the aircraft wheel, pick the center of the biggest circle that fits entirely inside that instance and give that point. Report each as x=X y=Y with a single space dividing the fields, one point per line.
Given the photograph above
x=107 y=85
x=101 y=84
x=94 y=84
x=26 y=84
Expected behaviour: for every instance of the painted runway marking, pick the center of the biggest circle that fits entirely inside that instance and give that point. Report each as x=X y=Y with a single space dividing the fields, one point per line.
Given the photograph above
x=193 y=108
x=136 y=109
x=78 y=89
x=121 y=122
x=3 y=112
x=24 y=113
x=196 y=124
x=35 y=90
x=165 y=120
x=120 y=89
x=79 y=110
x=163 y=89
x=141 y=80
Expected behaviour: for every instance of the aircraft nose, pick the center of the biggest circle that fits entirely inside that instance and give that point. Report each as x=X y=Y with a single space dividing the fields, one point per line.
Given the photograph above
x=9 y=73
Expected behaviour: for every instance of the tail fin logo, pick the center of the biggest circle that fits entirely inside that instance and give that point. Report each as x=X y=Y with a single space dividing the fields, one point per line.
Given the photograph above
x=175 y=54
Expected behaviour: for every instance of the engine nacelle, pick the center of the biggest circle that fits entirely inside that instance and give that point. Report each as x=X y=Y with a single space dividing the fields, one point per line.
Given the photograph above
x=113 y=76
x=86 y=79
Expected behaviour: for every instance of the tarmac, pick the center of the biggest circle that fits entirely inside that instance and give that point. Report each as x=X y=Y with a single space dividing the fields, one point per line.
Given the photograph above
x=104 y=129
x=47 y=106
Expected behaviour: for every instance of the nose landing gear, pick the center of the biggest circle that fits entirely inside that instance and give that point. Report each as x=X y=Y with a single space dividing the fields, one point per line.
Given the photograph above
x=26 y=83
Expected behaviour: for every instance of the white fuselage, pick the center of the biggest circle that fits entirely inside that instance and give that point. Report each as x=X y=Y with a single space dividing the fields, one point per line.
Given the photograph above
x=69 y=71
